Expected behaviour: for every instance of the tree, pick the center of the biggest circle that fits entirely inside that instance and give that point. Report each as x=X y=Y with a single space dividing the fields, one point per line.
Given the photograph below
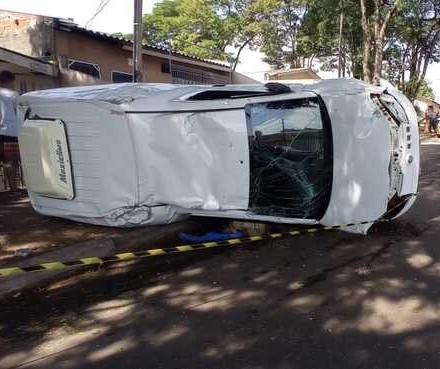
x=323 y=35
x=296 y=33
x=158 y=27
x=317 y=36
x=413 y=43
x=189 y=26
x=426 y=90
x=240 y=23
x=203 y=28
x=376 y=16
x=279 y=21
x=397 y=37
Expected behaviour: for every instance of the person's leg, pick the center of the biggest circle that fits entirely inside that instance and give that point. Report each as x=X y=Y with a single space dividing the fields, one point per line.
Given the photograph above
x=11 y=159
x=426 y=125
x=11 y=172
x=431 y=126
x=2 y=161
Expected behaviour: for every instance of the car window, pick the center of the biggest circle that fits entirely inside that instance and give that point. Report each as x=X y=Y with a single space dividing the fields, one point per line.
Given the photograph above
x=286 y=115
x=290 y=158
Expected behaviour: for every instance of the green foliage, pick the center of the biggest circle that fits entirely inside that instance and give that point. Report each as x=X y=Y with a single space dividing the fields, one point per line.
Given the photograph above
x=279 y=22
x=426 y=90
x=191 y=26
x=203 y=28
x=296 y=32
x=319 y=33
x=291 y=32
x=128 y=36
x=413 y=44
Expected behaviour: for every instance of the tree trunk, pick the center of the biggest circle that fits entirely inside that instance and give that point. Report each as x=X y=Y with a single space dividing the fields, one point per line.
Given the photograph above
x=378 y=62
x=422 y=75
x=379 y=41
x=237 y=58
x=374 y=28
x=367 y=43
x=341 y=28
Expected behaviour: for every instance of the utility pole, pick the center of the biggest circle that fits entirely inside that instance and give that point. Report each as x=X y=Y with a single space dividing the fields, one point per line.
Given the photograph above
x=137 y=41
x=341 y=67
x=170 y=53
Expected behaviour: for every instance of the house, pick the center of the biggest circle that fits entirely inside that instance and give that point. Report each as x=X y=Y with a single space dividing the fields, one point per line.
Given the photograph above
x=423 y=102
x=30 y=73
x=82 y=56
x=296 y=75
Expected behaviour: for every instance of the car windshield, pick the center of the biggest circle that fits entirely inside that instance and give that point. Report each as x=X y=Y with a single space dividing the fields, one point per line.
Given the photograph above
x=290 y=158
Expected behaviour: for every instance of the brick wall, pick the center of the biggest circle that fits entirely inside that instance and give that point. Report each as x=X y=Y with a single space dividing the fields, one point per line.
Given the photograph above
x=25 y=33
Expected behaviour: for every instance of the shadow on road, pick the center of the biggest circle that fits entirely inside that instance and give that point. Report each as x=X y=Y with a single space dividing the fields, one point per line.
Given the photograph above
x=327 y=301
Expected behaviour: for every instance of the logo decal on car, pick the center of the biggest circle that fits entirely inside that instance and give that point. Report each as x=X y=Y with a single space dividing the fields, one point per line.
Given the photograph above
x=60 y=160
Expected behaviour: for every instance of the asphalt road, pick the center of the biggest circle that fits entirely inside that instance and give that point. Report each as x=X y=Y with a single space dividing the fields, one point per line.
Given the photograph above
x=326 y=301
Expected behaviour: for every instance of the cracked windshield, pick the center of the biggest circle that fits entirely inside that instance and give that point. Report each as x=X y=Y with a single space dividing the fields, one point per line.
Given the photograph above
x=290 y=158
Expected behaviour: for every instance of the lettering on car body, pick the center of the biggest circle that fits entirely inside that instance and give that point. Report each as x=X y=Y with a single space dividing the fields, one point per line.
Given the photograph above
x=60 y=160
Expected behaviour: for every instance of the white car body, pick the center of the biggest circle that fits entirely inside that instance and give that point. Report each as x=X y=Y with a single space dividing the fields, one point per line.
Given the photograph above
x=136 y=154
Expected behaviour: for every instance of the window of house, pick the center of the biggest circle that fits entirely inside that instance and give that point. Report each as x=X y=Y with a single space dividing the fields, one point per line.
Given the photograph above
x=90 y=69
x=165 y=68
x=121 y=77
x=190 y=76
x=23 y=87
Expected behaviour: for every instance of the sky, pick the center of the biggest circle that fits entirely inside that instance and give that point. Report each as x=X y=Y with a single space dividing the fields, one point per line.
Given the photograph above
x=117 y=16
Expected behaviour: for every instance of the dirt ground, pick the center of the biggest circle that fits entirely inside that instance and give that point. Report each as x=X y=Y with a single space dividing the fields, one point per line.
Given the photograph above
x=25 y=233
x=332 y=300
x=22 y=230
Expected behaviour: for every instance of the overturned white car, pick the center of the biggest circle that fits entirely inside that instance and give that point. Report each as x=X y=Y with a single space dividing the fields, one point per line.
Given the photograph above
x=335 y=152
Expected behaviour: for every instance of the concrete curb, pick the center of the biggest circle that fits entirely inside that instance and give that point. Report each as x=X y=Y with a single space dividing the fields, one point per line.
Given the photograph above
x=146 y=237
x=78 y=250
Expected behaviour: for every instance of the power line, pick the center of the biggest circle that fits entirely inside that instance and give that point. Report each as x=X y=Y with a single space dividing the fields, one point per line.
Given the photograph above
x=101 y=7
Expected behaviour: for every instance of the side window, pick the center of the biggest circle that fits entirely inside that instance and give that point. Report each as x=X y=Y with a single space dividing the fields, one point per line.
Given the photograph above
x=121 y=77
x=290 y=158
x=90 y=69
x=286 y=125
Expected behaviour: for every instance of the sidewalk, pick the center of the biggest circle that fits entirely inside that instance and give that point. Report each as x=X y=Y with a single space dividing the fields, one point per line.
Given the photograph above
x=25 y=232
x=27 y=238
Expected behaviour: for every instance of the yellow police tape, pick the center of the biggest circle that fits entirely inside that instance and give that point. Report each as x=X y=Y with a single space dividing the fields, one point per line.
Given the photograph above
x=129 y=256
